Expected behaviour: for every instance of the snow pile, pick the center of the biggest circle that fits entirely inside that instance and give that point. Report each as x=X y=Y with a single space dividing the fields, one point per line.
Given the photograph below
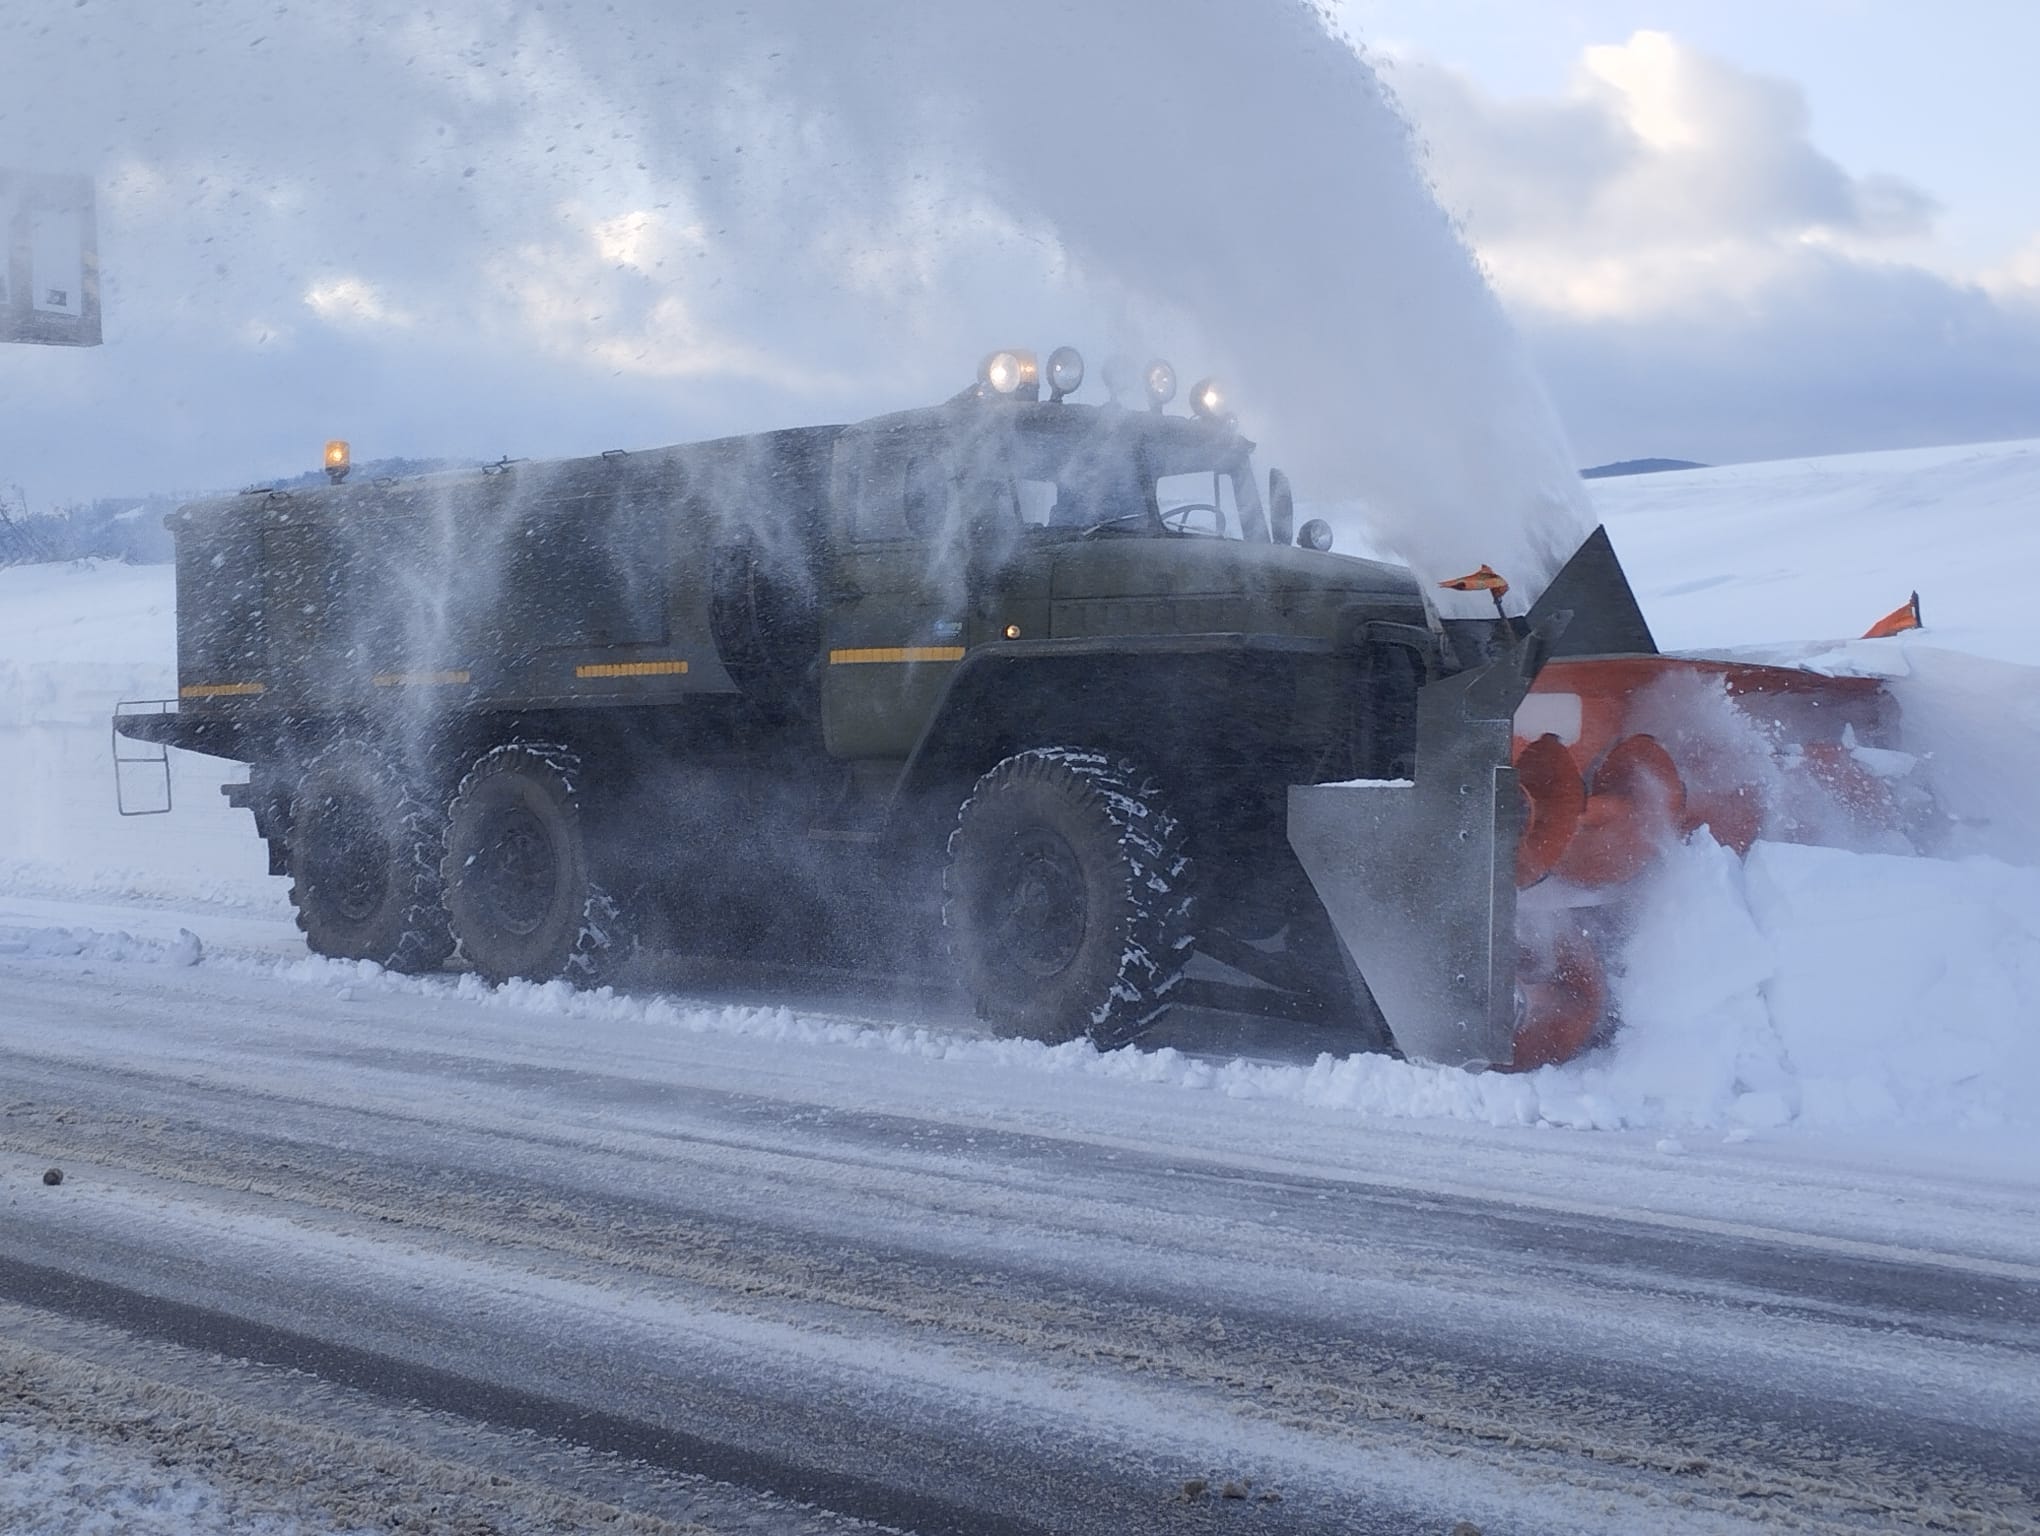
x=1802 y=986
x=1830 y=988
x=89 y=944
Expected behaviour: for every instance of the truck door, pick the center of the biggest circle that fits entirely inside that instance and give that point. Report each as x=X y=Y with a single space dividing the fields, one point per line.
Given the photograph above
x=901 y=595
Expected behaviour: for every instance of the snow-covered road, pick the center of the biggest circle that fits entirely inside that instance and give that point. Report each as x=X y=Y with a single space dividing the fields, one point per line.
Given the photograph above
x=781 y=1250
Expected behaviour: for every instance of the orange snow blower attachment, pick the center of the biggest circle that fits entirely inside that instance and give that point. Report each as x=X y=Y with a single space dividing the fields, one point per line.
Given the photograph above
x=1620 y=759
x=1480 y=899
x=1669 y=745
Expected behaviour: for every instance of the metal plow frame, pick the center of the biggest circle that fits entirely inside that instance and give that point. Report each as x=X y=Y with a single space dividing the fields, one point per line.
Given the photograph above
x=1419 y=878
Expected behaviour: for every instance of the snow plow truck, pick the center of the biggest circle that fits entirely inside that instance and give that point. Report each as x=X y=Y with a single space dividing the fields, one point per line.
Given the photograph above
x=1055 y=695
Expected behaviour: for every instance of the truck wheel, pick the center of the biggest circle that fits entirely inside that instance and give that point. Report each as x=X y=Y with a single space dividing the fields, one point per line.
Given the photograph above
x=363 y=860
x=519 y=878
x=1067 y=897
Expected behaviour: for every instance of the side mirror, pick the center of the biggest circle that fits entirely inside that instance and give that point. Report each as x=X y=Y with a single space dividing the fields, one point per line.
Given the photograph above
x=1315 y=534
x=1281 y=508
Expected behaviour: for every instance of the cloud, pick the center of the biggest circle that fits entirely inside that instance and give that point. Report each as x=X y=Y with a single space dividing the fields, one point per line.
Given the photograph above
x=353 y=301
x=2017 y=281
x=1697 y=276
x=1662 y=178
x=1833 y=356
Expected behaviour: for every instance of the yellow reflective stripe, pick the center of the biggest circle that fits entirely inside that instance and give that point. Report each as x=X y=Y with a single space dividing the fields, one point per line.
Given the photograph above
x=632 y=669
x=413 y=679
x=897 y=653
x=218 y=690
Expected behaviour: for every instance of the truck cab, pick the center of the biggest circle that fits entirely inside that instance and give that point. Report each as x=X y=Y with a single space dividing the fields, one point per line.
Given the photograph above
x=994 y=526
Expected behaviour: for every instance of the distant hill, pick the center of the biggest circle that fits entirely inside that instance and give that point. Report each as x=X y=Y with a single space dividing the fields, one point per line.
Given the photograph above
x=1637 y=467
x=131 y=528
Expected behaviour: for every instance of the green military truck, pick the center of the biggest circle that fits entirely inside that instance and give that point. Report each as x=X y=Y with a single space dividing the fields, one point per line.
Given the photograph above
x=1024 y=681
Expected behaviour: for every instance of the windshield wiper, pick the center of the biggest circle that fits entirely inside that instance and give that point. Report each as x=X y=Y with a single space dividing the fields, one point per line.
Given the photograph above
x=1113 y=522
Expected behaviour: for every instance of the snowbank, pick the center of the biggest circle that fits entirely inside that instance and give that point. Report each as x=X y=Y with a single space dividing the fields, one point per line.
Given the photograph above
x=91 y=944
x=1805 y=987
x=75 y=640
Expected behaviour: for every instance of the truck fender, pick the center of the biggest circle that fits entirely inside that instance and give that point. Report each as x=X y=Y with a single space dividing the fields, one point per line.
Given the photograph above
x=1010 y=695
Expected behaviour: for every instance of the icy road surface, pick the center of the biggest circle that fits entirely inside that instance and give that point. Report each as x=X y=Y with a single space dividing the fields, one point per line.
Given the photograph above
x=360 y=1248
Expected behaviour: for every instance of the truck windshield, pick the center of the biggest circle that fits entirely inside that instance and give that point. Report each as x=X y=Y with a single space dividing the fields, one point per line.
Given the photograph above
x=1134 y=474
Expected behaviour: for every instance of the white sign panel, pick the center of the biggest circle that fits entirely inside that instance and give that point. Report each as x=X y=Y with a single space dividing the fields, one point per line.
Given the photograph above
x=49 y=263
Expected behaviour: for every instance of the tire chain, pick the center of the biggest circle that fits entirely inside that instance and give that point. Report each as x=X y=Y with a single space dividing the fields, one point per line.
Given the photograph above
x=419 y=834
x=1159 y=941
x=606 y=938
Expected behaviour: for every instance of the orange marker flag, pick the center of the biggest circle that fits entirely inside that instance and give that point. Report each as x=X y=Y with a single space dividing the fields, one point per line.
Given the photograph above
x=1902 y=618
x=1486 y=579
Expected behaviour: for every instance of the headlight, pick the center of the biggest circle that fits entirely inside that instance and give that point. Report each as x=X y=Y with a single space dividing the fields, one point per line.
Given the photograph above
x=1208 y=400
x=1065 y=372
x=1010 y=373
x=1161 y=383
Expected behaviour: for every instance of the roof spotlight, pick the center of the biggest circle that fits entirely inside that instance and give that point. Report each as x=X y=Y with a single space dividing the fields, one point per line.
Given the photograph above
x=1161 y=383
x=1208 y=400
x=1065 y=372
x=1013 y=374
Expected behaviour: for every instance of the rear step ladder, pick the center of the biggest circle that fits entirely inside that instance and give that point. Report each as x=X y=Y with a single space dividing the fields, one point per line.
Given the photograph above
x=137 y=765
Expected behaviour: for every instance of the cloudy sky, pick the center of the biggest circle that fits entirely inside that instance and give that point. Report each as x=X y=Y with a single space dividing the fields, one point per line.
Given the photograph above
x=1726 y=230
x=1740 y=229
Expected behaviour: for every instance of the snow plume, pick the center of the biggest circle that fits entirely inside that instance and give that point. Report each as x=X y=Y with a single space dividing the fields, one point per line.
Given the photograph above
x=1976 y=723
x=586 y=224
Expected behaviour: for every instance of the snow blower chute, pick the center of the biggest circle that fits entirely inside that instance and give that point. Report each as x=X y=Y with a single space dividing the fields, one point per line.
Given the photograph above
x=1558 y=756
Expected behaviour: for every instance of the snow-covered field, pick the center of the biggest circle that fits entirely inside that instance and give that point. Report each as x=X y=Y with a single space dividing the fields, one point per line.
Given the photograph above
x=1810 y=989
x=1814 y=550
